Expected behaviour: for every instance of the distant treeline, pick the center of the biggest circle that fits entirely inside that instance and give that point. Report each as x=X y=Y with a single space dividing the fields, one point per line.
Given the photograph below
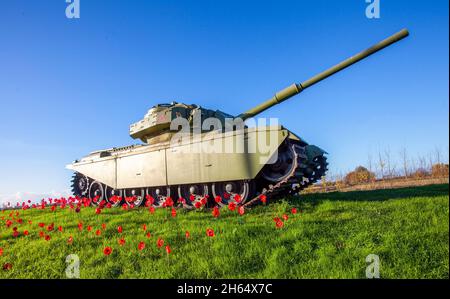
x=385 y=168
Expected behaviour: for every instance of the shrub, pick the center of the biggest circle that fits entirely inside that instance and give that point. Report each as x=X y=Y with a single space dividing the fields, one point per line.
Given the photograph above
x=420 y=173
x=439 y=170
x=359 y=175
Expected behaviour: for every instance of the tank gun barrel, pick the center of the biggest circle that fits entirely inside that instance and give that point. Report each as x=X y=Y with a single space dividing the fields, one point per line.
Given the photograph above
x=295 y=89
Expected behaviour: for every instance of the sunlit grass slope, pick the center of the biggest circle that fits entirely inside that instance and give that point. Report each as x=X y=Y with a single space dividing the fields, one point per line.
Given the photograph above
x=329 y=237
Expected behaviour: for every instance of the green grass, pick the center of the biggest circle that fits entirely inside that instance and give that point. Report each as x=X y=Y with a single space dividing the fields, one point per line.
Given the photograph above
x=407 y=228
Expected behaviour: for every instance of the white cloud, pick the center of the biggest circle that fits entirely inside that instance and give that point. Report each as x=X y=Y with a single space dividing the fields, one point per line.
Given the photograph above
x=35 y=197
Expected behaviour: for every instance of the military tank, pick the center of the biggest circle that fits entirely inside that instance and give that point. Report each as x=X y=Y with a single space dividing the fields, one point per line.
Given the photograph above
x=191 y=155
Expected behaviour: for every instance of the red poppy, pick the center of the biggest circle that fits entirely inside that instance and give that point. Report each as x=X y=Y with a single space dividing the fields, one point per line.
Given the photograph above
x=121 y=241
x=47 y=238
x=53 y=208
x=41 y=224
x=148 y=235
x=98 y=211
x=8 y=223
x=7 y=266
x=1 y=251
x=151 y=210
x=144 y=227
x=174 y=212
x=263 y=198
x=119 y=229
x=218 y=199
x=103 y=226
x=285 y=217
x=279 y=224
x=15 y=234
x=26 y=233
x=89 y=228
x=216 y=212
x=168 y=202
x=294 y=211
x=188 y=235
x=141 y=246
x=51 y=227
x=149 y=200
x=98 y=232
x=60 y=228
x=107 y=250
x=192 y=197
x=41 y=234
x=210 y=232
x=168 y=250
x=232 y=206
x=198 y=205
x=80 y=226
x=160 y=242
x=241 y=210
x=203 y=201
x=182 y=201
x=70 y=240
x=237 y=198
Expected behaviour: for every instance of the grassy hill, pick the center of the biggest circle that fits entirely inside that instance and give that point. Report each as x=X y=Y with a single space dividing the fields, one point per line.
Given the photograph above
x=330 y=238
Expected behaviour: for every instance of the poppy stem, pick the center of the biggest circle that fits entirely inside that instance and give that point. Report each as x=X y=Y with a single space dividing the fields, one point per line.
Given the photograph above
x=168 y=261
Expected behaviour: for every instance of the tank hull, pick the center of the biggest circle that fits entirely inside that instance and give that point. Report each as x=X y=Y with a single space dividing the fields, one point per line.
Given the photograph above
x=195 y=162
x=247 y=161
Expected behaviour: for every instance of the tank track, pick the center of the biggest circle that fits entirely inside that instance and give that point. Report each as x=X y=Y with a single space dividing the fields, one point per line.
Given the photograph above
x=302 y=175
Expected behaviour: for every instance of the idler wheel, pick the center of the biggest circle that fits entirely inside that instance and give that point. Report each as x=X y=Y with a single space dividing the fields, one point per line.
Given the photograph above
x=282 y=167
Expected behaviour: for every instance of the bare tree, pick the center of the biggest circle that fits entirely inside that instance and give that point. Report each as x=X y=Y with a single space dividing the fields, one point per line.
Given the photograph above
x=430 y=161
x=389 y=163
x=370 y=162
x=446 y=155
x=421 y=161
x=437 y=154
x=381 y=164
x=405 y=162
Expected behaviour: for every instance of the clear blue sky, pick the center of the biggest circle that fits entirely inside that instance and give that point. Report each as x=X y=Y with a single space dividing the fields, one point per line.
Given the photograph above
x=68 y=87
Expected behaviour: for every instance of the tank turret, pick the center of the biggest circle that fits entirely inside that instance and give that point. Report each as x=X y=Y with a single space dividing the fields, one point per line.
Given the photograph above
x=155 y=126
